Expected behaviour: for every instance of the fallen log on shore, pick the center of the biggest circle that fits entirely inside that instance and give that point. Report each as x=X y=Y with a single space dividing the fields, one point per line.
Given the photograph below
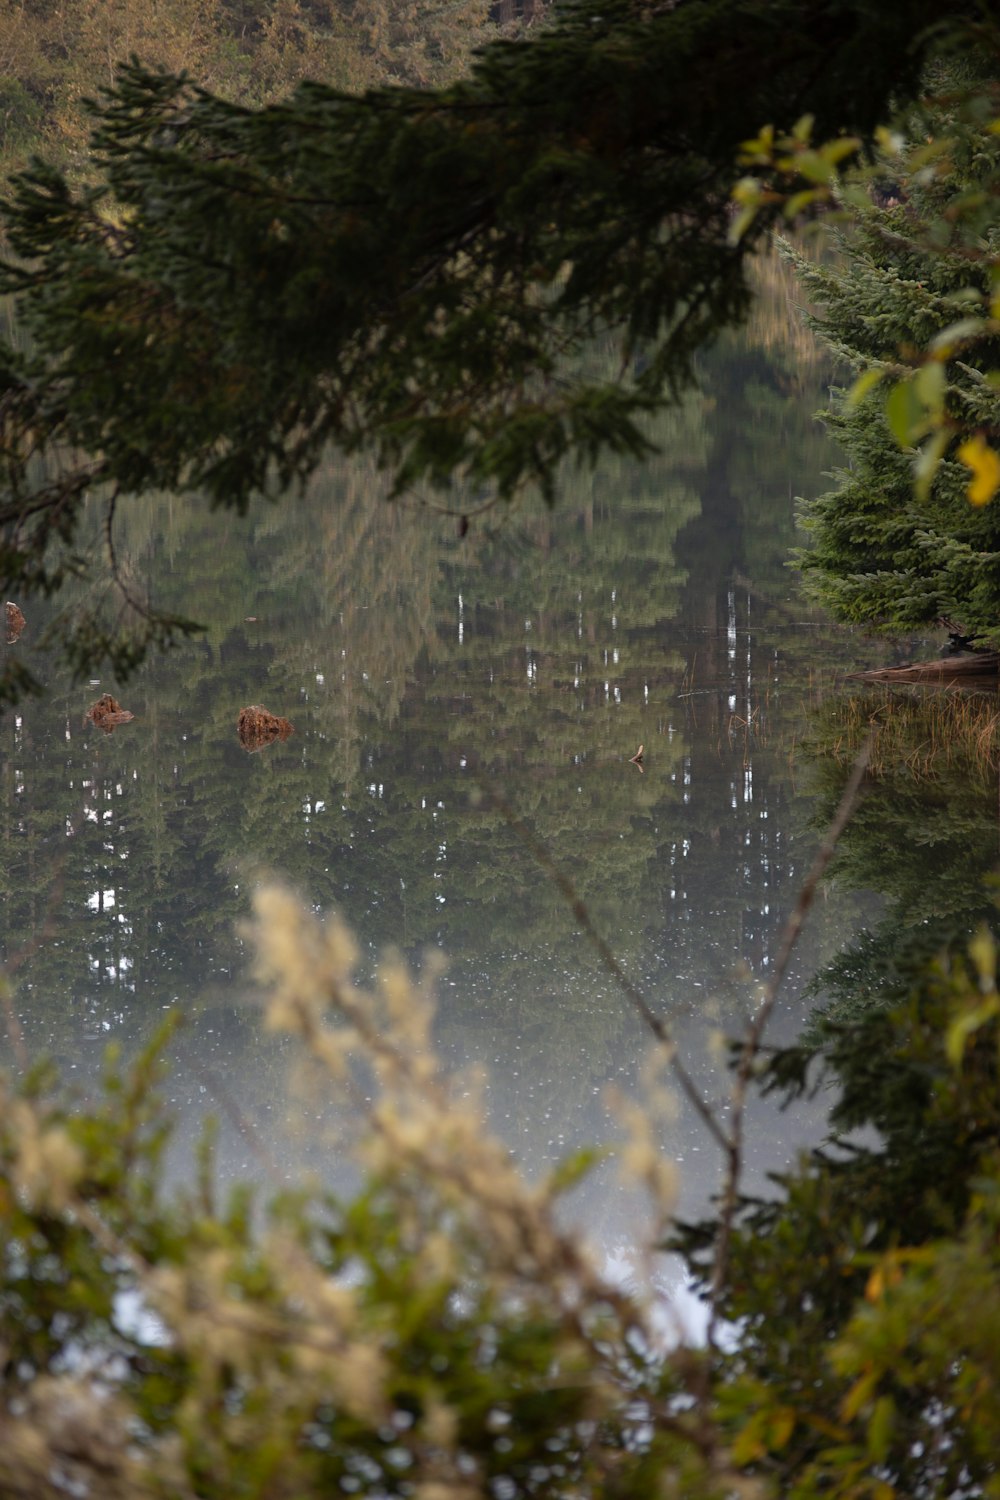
x=947 y=669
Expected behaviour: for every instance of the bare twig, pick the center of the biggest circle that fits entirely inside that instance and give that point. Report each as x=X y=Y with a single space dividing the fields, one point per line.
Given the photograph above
x=237 y=1117
x=752 y=1044
x=629 y=988
x=142 y=610
x=15 y=1034
x=729 y=1139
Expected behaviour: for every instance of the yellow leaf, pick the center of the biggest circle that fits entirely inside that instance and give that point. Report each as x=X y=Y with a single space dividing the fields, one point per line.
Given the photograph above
x=983 y=952
x=760 y=149
x=782 y=1427
x=749 y=1445
x=747 y=191
x=889 y=140
x=859 y=1394
x=962 y=1028
x=886 y=1275
x=984 y=462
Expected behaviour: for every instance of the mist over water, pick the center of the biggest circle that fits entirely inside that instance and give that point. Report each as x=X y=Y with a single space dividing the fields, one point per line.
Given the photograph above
x=457 y=702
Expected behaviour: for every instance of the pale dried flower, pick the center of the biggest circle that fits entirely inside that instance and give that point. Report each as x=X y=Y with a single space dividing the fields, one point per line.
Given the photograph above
x=48 y=1164
x=458 y=1488
x=440 y=1424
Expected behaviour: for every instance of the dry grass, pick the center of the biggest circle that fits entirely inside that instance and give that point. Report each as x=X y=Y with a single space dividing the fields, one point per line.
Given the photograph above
x=927 y=734
x=777 y=322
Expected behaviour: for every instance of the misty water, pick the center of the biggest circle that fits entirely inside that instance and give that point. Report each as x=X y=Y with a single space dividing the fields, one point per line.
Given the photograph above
x=460 y=699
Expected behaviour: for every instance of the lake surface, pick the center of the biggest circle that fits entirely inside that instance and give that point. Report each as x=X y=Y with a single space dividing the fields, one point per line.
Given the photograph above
x=458 y=702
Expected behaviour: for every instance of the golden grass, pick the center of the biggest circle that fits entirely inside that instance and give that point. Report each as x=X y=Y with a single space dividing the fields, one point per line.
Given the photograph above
x=927 y=734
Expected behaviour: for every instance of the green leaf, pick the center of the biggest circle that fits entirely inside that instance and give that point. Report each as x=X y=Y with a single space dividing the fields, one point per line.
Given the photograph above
x=798 y=201
x=761 y=147
x=858 y=1395
x=864 y=383
x=964 y=1025
x=837 y=151
x=741 y=224
x=929 y=385
x=880 y=1427
x=965 y=294
x=573 y=1168
x=904 y=413
x=948 y=340
x=813 y=166
x=929 y=460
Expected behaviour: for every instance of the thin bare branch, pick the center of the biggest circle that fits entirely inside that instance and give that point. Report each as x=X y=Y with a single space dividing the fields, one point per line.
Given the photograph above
x=47 y=929
x=629 y=988
x=752 y=1045
x=141 y=609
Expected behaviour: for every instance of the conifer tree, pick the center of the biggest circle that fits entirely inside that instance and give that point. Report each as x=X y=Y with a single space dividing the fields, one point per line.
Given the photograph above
x=404 y=271
x=897 y=544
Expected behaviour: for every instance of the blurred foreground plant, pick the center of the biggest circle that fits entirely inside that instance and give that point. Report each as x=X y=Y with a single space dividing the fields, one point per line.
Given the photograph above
x=442 y=1335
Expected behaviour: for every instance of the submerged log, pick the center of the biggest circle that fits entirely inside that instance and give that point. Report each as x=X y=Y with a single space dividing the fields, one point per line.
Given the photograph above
x=947 y=669
x=107 y=713
x=257 y=727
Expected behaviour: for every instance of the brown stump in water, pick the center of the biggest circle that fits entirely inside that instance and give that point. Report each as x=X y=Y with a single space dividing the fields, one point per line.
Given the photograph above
x=257 y=728
x=15 y=622
x=107 y=713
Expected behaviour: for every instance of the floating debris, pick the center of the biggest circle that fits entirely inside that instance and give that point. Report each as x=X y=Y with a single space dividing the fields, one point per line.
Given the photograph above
x=15 y=622
x=257 y=727
x=636 y=759
x=107 y=713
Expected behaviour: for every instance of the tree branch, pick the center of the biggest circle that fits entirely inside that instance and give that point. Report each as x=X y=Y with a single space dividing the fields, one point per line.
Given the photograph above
x=751 y=1048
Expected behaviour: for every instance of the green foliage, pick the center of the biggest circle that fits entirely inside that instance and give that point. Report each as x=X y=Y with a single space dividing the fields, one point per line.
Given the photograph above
x=440 y=1334
x=924 y=834
x=234 y=290
x=845 y=1357
x=922 y=840
x=907 y=304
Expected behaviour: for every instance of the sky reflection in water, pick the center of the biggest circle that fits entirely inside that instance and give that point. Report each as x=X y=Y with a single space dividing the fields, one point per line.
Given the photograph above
x=445 y=693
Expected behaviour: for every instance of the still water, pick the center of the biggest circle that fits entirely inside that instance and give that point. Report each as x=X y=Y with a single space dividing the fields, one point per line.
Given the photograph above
x=450 y=694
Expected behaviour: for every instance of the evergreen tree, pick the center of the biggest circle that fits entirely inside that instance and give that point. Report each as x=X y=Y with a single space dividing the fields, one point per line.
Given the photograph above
x=889 y=551
x=406 y=271
x=858 y=1290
